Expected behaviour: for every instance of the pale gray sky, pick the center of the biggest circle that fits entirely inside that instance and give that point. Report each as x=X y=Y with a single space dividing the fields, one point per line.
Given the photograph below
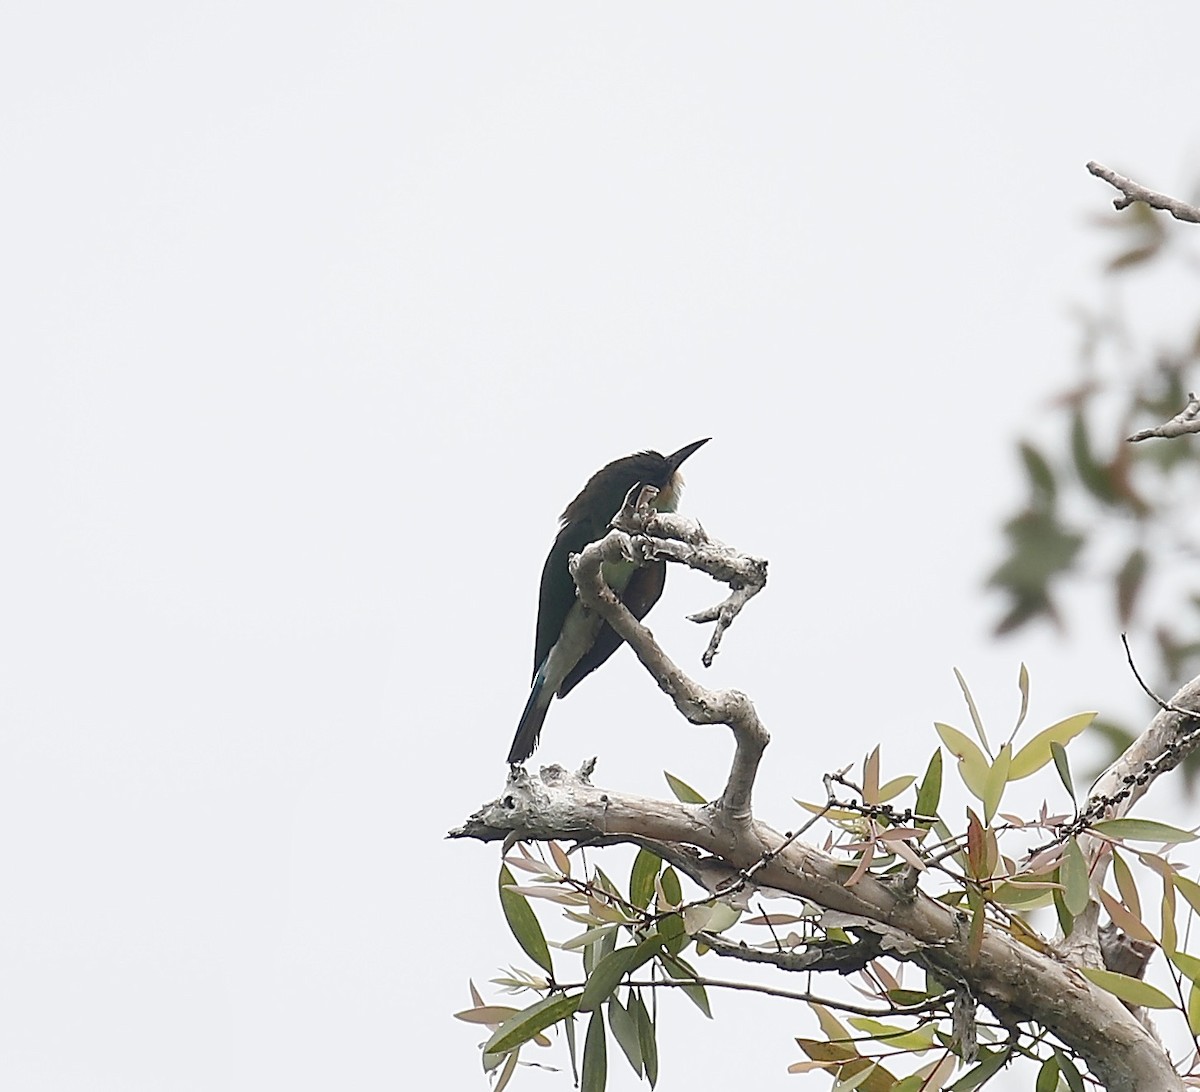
x=316 y=316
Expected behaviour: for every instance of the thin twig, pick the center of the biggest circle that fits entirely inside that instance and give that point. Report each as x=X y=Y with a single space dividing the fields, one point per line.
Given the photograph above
x=1165 y=706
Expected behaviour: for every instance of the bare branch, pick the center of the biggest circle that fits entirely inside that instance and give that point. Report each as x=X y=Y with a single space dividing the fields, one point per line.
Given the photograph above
x=1132 y=192
x=1185 y=421
x=684 y=541
x=677 y=539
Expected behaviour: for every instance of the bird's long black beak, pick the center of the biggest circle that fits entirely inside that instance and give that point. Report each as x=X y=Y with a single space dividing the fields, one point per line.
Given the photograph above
x=676 y=459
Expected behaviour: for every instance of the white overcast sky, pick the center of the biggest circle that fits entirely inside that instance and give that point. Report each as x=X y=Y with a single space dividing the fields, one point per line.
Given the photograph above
x=315 y=316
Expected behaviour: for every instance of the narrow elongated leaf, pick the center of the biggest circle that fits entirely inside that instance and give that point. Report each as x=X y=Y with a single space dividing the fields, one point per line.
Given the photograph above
x=1036 y=753
x=1066 y=922
x=487 y=1014
x=1133 y=990
x=1023 y=686
x=647 y=1037
x=976 y=850
x=561 y=861
x=1189 y=965
x=973 y=1078
x=929 y=795
x=1047 y=1078
x=1126 y=885
x=1123 y=919
x=871 y=777
x=976 y=719
x=623 y=1024
x=1129 y=582
x=848 y=1084
x=510 y=1067
x=921 y=1038
x=1073 y=874
x=673 y=933
x=832 y=1027
x=523 y=922
x=1067 y=1068
x=670 y=886
x=680 y=970
x=997 y=778
x=972 y=766
x=1142 y=830
x=1168 y=937
x=1059 y=753
x=1189 y=889
x=1193 y=1009
x=586 y=938
x=641 y=878
x=684 y=792
x=893 y=788
x=613 y=967
x=595 y=1056
x=528 y=1022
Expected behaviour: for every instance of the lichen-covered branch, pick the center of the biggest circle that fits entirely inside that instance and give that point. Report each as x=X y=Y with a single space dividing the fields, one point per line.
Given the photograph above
x=1132 y=191
x=1014 y=981
x=684 y=541
x=1185 y=421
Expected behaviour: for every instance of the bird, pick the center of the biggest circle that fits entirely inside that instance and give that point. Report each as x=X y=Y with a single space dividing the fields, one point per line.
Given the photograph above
x=572 y=641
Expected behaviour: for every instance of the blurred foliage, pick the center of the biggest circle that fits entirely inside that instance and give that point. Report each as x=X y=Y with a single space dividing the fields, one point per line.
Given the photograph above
x=1101 y=510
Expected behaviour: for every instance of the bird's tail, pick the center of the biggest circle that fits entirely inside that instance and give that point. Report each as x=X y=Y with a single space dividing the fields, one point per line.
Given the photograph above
x=530 y=726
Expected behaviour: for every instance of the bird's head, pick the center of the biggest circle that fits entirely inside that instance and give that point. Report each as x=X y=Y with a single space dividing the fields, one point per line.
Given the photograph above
x=670 y=487
x=605 y=491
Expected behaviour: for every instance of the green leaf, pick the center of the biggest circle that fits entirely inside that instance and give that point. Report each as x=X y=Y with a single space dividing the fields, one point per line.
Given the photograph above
x=988 y=1065
x=623 y=1025
x=1126 y=885
x=684 y=792
x=679 y=971
x=1128 y=582
x=1096 y=478
x=1067 y=1069
x=528 y=1022
x=595 y=1056
x=972 y=766
x=891 y=789
x=976 y=719
x=1142 y=830
x=1041 y=477
x=1059 y=753
x=510 y=1067
x=647 y=1037
x=921 y=1038
x=673 y=933
x=641 y=878
x=1065 y=921
x=615 y=966
x=929 y=795
x=1073 y=875
x=1133 y=990
x=670 y=886
x=1023 y=686
x=1189 y=965
x=997 y=778
x=523 y=922
x=1193 y=1009
x=1189 y=889
x=1047 y=1078
x=1036 y=753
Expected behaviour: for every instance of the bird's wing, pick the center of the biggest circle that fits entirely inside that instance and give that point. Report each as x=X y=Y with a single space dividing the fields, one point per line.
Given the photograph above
x=641 y=593
x=557 y=594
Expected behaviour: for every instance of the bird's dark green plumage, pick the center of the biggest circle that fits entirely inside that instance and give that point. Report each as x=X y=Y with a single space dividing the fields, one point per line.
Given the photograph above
x=571 y=642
